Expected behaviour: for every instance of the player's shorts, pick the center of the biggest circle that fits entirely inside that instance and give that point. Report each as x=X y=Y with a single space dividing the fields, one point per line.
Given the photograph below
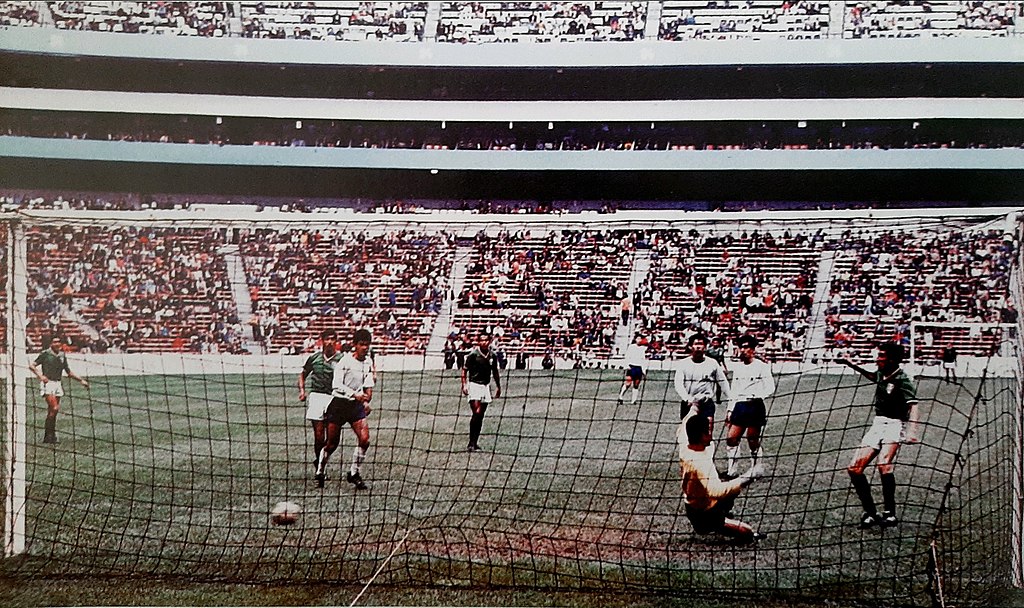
x=705 y=407
x=635 y=373
x=749 y=414
x=479 y=392
x=711 y=520
x=883 y=430
x=52 y=387
x=316 y=405
x=949 y=365
x=344 y=411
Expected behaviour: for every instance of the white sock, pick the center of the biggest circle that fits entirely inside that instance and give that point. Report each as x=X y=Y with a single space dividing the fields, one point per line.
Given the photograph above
x=756 y=455
x=622 y=393
x=358 y=455
x=321 y=463
x=636 y=393
x=733 y=452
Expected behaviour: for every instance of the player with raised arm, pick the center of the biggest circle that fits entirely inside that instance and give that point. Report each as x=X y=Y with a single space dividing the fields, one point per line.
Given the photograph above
x=708 y=499
x=352 y=389
x=699 y=378
x=636 y=361
x=48 y=367
x=895 y=423
x=752 y=383
x=318 y=376
x=480 y=366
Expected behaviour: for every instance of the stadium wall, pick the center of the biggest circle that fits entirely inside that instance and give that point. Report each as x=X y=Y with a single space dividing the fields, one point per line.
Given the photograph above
x=194 y=364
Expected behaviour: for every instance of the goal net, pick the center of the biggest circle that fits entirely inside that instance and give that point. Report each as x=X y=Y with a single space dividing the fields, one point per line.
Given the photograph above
x=192 y=334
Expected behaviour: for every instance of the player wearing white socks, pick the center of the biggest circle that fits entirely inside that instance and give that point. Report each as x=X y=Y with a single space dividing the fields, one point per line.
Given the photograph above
x=752 y=383
x=352 y=389
x=636 y=361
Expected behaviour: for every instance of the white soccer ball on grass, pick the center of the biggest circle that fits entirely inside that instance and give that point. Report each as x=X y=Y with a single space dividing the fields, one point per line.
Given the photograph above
x=285 y=513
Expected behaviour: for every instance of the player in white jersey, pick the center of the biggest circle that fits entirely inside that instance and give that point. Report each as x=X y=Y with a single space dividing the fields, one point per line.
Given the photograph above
x=351 y=389
x=699 y=378
x=636 y=361
x=752 y=383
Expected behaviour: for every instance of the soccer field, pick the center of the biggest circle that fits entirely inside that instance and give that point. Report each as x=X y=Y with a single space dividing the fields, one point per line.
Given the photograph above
x=175 y=476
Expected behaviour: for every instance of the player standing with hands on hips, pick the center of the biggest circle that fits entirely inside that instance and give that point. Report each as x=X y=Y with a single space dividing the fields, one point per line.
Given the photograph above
x=480 y=366
x=895 y=423
x=48 y=367
x=752 y=383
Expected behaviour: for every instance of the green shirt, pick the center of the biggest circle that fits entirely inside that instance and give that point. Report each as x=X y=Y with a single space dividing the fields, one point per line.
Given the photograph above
x=894 y=395
x=319 y=372
x=53 y=365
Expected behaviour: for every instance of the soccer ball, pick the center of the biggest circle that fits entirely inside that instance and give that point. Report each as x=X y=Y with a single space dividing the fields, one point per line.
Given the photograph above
x=285 y=513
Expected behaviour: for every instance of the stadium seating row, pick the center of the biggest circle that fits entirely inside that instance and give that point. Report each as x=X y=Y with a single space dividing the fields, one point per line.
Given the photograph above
x=568 y=292
x=520 y=22
x=696 y=135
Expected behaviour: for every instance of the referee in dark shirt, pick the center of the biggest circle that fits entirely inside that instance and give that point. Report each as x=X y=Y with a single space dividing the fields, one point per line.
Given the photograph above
x=480 y=366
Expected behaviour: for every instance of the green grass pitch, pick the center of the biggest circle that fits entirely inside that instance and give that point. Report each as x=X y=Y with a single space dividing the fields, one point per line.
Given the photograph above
x=174 y=477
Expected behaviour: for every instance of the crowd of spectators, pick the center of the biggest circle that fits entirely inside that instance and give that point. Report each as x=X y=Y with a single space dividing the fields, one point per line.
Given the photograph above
x=173 y=18
x=625 y=136
x=560 y=291
x=20 y=13
x=749 y=19
x=884 y=282
x=483 y=22
x=891 y=18
x=726 y=285
x=302 y=281
x=351 y=21
x=564 y=293
x=131 y=289
x=541 y=21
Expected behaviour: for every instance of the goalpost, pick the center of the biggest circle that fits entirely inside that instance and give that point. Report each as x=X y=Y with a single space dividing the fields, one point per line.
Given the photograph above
x=170 y=463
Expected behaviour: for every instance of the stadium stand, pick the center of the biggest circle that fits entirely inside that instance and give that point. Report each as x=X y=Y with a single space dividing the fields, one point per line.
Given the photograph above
x=537 y=290
x=525 y=22
x=560 y=292
x=304 y=281
x=171 y=18
x=131 y=290
x=744 y=20
x=625 y=136
x=890 y=19
x=725 y=287
x=541 y=21
x=346 y=21
x=882 y=283
x=20 y=13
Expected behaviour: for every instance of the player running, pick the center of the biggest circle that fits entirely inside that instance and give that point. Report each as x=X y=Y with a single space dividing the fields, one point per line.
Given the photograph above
x=752 y=383
x=895 y=423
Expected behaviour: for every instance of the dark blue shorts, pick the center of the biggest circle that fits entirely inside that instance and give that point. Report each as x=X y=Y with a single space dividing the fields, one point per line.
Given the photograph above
x=344 y=411
x=635 y=373
x=712 y=520
x=749 y=414
x=706 y=408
